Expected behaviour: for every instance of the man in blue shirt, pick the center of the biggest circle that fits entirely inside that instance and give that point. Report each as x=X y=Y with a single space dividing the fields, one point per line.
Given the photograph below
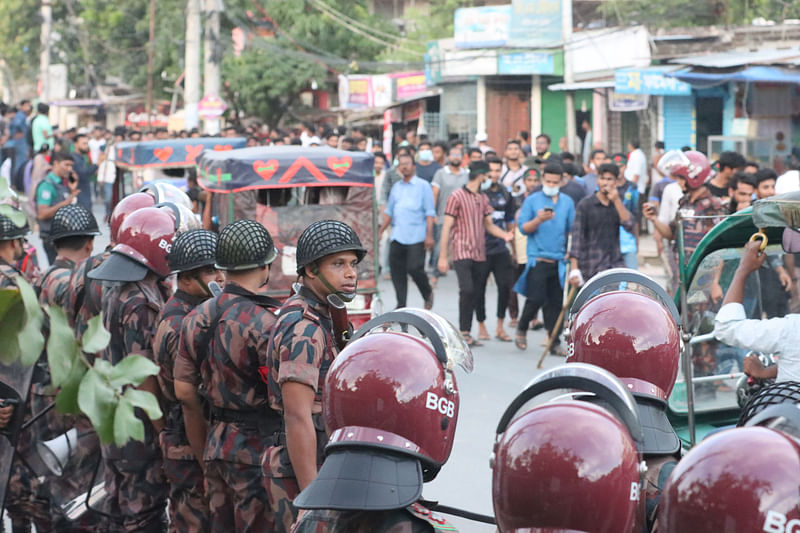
x=546 y=218
x=411 y=213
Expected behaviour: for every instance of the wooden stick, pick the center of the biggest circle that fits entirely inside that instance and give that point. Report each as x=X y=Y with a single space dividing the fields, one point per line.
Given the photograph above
x=560 y=319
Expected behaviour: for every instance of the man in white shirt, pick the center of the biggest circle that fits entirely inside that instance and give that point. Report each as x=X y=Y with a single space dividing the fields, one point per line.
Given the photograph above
x=775 y=335
x=637 y=169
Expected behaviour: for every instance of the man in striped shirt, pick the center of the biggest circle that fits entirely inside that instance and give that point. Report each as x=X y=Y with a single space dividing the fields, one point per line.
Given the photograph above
x=468 y=216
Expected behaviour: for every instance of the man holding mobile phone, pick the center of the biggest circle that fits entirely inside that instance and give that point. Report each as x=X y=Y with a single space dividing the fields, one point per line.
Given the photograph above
x=595 y=234
x=55 y=191
x=546 y=218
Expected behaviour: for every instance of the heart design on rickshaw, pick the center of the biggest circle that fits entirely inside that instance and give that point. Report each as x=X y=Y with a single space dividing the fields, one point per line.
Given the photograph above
x=162 y=154
x=266 y=169
x=340 y=166
x=222 y=147
x=192 y=151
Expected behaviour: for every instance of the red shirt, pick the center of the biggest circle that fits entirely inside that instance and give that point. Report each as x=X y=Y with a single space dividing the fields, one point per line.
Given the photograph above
x=468 y=233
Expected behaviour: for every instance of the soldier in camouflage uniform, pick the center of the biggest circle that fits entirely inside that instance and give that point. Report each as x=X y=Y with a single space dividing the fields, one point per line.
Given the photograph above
x=301 y=350
x=26 y=499
x=84 y=294
x=385 y=439
x=192 y=257
x=134 y=478
x=222 y=343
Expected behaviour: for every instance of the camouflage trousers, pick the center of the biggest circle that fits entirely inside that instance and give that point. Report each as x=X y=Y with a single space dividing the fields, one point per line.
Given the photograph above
x=188 y=505
x=27 y=501
x=282 y=491
x=237 y=499
x=137 y=493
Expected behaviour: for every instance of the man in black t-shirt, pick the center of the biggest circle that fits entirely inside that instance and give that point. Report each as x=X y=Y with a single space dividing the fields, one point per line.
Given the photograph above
x=729 y=163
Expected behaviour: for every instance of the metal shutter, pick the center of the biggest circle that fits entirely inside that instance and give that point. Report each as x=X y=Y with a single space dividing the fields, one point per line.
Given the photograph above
x=680 y=122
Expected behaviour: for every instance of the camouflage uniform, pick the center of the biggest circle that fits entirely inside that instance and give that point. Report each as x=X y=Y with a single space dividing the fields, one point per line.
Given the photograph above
x=26 y=498
x=134 y=478
x=221 y=345
x=188 y=509
x=84 y=297
x=413 y=519
x=301 y=349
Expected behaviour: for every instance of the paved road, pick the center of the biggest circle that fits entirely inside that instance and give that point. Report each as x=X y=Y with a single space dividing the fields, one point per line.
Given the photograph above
x=501 y=371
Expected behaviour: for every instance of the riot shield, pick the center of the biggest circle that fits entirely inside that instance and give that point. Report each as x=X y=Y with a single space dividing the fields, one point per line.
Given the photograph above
x=15 y=382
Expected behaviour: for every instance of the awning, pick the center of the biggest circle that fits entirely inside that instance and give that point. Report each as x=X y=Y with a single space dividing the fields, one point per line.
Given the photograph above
x=738 y=58
x=749 y=75
x=580 y=85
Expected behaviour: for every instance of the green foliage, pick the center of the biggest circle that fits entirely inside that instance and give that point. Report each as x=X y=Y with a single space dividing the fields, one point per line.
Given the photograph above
x=434 y=21
x=103 y=392
x=268 y=77
x=21 y=324
x=684 y=13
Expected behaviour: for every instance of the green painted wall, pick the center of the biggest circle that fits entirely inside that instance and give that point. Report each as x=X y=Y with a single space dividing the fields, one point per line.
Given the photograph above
x=554 y=111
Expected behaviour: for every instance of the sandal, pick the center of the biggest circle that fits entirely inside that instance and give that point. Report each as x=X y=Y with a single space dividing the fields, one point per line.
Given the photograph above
x=558 y=351
x=503 y=337
x=537 y=325
x=472 y=343
x=484 y=337
x=521 y=342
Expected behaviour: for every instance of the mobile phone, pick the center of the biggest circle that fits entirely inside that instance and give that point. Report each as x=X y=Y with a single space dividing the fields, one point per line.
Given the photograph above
x=8 y=401
x=548 y=209
x=73 y=178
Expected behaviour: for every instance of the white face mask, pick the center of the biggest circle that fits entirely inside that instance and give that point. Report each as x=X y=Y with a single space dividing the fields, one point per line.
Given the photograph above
x=550 y=191
x=486 y=185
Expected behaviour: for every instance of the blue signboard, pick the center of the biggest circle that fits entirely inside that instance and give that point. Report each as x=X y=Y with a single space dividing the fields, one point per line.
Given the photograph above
x=434 y=59
x=482 y=27
x=535 y=23
x=526 y=63
x=649 y=81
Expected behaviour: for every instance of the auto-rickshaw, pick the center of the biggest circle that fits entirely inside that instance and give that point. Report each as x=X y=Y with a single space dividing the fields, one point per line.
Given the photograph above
x=718 y=388
x=288 y=187
x=146 y=162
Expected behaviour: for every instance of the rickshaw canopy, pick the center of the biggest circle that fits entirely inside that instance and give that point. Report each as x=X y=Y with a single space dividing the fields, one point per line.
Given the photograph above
x=280 y=167
x=172 y=153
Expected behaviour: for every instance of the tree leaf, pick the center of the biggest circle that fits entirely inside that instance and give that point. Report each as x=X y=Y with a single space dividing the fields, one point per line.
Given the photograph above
x=126 y=425
x=17 y=217
x=132 y=370
x=98 y=401
x=67 y=398
x=10 y=326
x=96 y=337
x=63 y=352
x=31 y=340
x=144 y=400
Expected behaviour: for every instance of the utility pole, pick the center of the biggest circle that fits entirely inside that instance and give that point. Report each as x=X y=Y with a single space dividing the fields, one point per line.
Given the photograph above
x=191 y=79
x=44 y=55
x=151 y=45
x=212 y=56
x=569 y=100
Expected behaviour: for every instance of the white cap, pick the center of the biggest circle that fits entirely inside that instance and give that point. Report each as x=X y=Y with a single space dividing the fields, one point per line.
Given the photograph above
x=314 y=140
x=481 y=137
x=788 y=182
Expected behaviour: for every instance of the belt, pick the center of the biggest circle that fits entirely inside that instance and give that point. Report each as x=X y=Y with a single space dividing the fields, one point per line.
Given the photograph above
x=265 y=420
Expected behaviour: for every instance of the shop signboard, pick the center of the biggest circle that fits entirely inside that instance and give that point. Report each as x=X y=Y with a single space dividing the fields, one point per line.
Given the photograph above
x=409 y=85
x=526 y=63
x=433 y=64
x=627 y=102
x=535 y=23
x=649 y=81
x=482 y=27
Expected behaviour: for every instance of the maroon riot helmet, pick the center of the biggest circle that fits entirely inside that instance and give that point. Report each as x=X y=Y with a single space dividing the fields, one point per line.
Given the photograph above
x=390 y=406
x=739 y=480
x=624 y=322
x=569 y=465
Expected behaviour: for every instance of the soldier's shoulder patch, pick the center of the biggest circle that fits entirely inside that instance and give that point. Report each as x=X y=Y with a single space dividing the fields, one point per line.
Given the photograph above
x=434 y=519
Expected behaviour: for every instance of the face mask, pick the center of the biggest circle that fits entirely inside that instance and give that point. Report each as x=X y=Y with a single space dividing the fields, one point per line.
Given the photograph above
x=486 y=185
x=550 y=191
x=426 y=155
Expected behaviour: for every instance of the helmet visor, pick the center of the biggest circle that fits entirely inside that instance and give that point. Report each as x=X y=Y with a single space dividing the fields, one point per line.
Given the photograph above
x=458 y=352
x=672 y=160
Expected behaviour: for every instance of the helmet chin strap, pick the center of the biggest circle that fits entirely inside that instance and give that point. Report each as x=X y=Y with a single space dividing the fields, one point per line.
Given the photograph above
x=346 y=296
x=203 y=285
